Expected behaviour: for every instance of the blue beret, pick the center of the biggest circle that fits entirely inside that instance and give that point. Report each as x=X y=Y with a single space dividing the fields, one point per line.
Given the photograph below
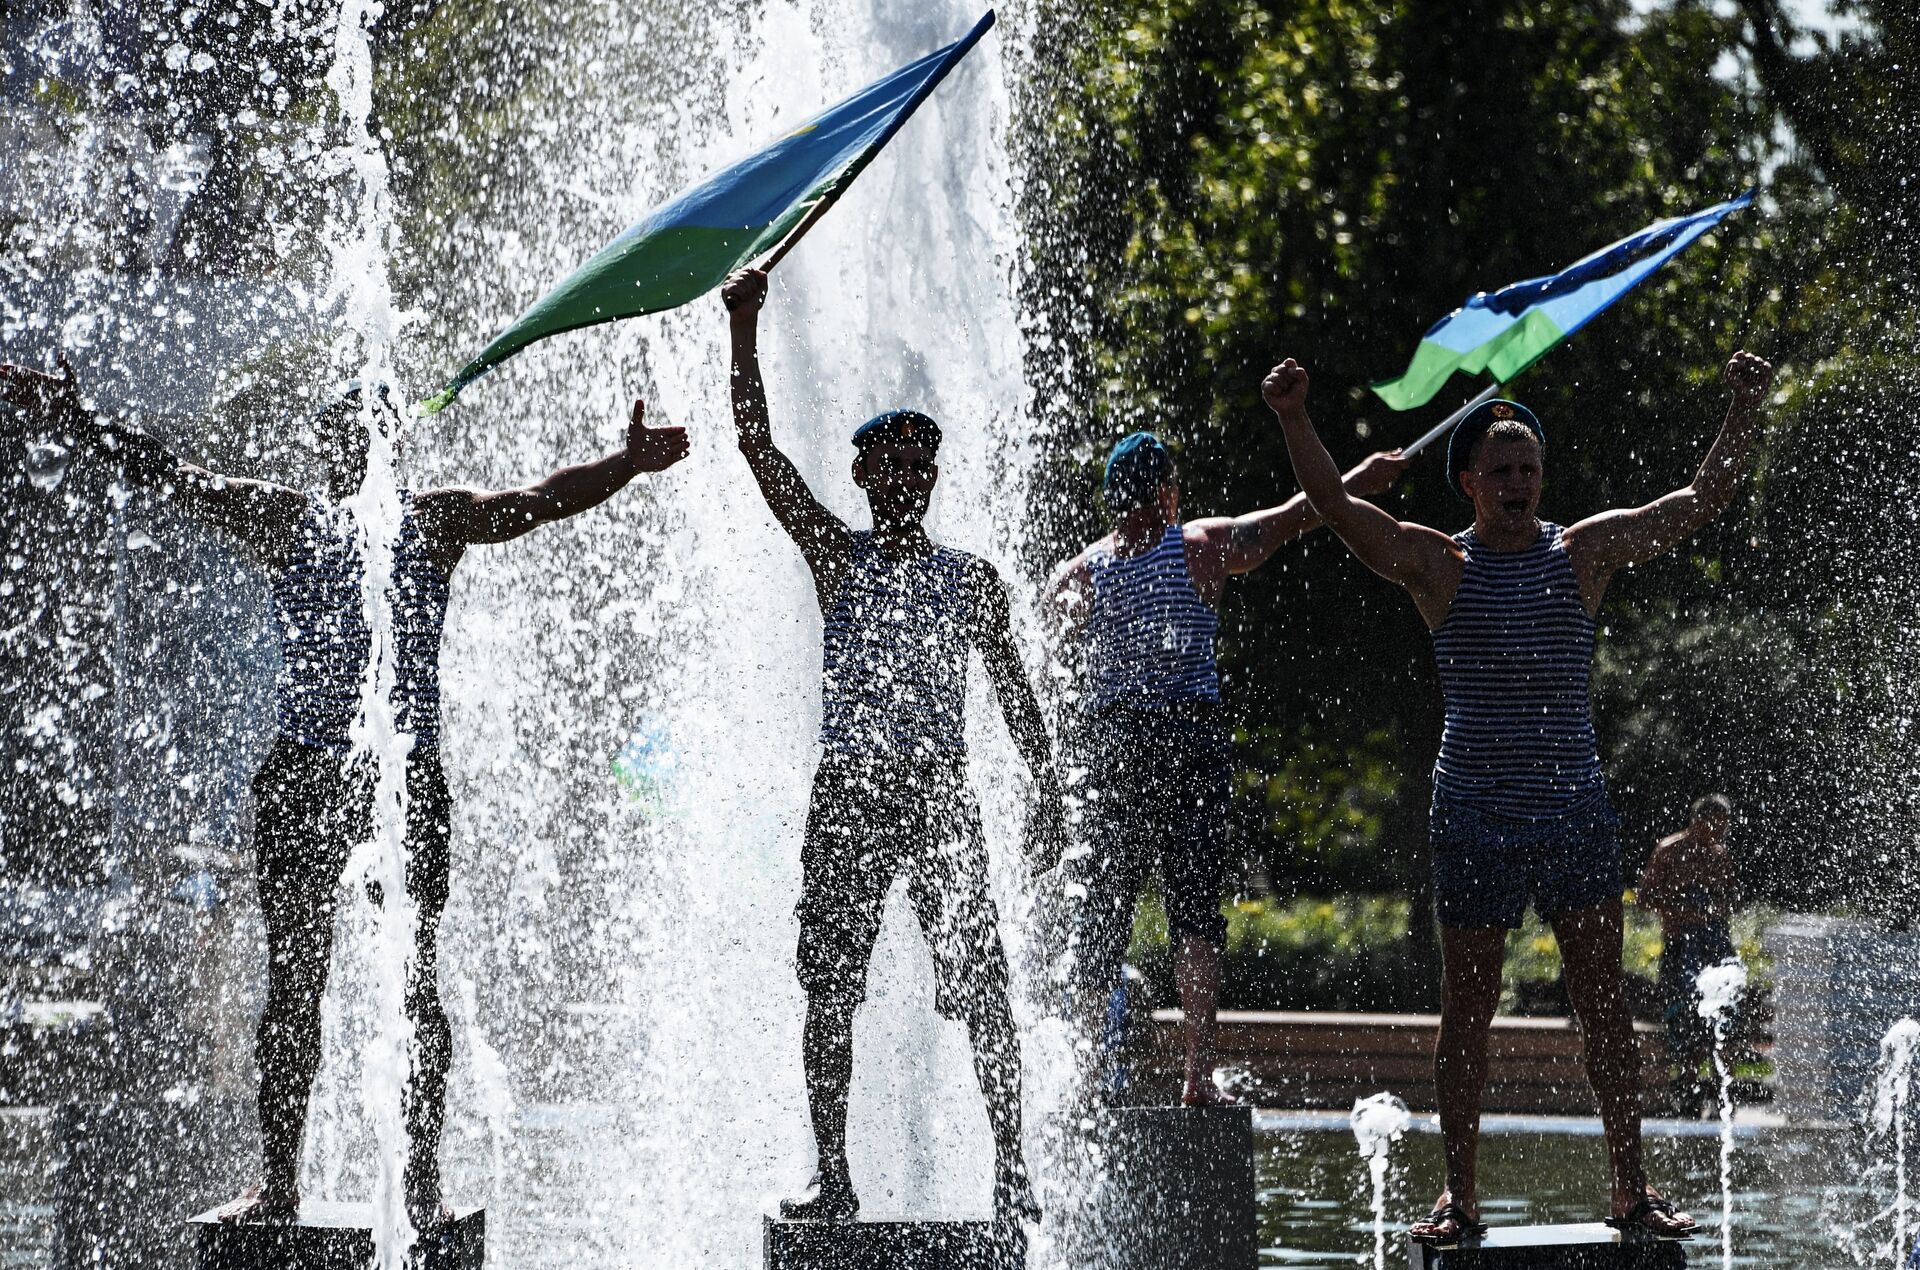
x=897 y=425
x=1138 y=466
x=1467 y=433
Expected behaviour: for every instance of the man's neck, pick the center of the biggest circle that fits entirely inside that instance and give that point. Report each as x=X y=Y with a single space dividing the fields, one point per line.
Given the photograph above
x=1138 y=531
x=1508 y=536
x=898 y=538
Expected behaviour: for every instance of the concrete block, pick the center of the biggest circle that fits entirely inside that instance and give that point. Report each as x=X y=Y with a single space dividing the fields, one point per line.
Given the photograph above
x=331 y=1237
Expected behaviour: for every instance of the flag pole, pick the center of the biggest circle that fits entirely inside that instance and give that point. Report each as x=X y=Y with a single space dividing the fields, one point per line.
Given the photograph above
x=1439 y=429
x=807 y=222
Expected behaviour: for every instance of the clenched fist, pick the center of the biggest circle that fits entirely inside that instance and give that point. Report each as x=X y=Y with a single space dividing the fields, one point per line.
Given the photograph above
x=1749 y=376
x=1285 y=387
x=744 y=291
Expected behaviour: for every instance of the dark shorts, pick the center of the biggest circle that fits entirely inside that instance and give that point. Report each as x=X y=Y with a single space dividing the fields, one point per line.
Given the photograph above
x=1486 y=867
x=867 y=824
x=1682 y=958
x=313 y=806
x=1157 y=796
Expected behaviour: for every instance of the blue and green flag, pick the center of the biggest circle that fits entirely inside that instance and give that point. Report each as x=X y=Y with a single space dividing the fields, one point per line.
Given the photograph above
x=1510 y=329
x=686 y=247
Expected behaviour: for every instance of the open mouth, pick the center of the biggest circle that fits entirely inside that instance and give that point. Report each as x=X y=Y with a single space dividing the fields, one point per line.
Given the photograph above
x=1514 y=505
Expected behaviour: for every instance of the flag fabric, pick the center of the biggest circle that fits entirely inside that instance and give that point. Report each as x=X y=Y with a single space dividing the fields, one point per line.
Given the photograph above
x=686 y=247
x=1510 y=329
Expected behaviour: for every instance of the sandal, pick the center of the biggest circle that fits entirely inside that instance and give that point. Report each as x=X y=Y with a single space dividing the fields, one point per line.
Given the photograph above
x=1636 y=1221
x=1465 y=1227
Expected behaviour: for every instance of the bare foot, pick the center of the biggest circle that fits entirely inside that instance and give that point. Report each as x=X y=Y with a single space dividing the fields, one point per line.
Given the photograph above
x=1447 y=1224
x=1651 y=1214
x=263 y=1203
x=428 y=1213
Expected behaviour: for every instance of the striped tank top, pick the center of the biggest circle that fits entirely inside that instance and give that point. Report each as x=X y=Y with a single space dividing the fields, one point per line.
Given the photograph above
x=1516 y=657
x=1149 y=634
x=324 y=641
x=894 y=656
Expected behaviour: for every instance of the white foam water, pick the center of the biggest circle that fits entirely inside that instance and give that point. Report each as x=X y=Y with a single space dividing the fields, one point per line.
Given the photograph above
x=360 y=298
x=1379 y=1121
x=1892 y=1100
x=1720 y=988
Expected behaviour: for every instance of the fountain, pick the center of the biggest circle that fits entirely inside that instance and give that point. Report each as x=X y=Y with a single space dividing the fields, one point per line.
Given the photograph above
x=1892 y=1098
x=628 y=698
x=612 y=958
x=1720 y=988
x=1378 y=1121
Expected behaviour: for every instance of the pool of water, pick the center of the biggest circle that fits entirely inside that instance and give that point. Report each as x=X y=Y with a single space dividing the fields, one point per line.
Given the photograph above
x=1810 y=1200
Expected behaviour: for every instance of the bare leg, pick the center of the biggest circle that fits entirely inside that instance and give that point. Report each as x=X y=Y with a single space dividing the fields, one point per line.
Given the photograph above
x=1590 y=954
x=425 y=1098
x=826 y=1054
x=996 y=1064
x=1469 y=994
x=1198 y=973
x=298 y=914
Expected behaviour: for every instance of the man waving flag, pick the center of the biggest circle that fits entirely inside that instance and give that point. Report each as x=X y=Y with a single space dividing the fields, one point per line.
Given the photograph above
x=686 y=247
x=1508 y=330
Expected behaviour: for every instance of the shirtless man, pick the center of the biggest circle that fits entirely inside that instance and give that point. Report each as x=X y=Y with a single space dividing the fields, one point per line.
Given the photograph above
x=1520 y=807
x=890 y=797
x=1689 y=882
x=1146 y=599
x=313 y=794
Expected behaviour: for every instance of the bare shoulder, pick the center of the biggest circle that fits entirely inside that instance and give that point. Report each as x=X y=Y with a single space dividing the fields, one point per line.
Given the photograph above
x=1074 y=568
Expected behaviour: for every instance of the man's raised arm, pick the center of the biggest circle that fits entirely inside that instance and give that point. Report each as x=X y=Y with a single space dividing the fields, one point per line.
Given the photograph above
x=823 y=538
x=1412 y=555
x=1248 y=541
x=474 y=516
x=259 y=513
x=1601 y=545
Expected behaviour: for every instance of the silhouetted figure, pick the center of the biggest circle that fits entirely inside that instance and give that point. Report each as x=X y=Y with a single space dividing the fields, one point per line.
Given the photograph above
x=1145 y=599
x=890 y=796
x=313 y=793
x=1689 y=882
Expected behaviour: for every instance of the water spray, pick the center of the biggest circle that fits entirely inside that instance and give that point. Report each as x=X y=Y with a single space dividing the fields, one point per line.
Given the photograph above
x=1893 y=1095
x=1378 y=1122
x=1720 y=988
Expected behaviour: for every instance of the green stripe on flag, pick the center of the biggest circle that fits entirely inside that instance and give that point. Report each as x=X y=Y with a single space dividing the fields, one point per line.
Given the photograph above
x=684 y=262
x=1506 y=355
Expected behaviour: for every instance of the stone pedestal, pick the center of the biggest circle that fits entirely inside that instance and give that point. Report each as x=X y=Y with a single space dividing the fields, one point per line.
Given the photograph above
x=1839 y=985
x=1588 y=1246
x=331 y=1237
x=880 y=1245
x=1180 y=1192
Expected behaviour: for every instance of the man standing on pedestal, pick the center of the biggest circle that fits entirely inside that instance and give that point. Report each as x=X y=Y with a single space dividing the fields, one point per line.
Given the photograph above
x=1520 y=807
x=313 y=794
x=890 y=797
x=1145 y=598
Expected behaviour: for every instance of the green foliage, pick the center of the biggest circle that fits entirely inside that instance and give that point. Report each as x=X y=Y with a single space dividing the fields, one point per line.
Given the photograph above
x=1321 y=803
x=1355 y=952
x=1348 y=953
x=1215 y=184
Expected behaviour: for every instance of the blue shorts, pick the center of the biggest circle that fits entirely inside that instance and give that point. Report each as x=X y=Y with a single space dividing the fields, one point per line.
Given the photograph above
x=1157 y=802
x=1486 y=867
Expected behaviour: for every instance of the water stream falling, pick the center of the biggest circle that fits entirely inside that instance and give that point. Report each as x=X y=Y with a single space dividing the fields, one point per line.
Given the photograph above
x=1720 y=988
x=634 y=1020
x=1379 y=1121
x=360 y=291
x=1892 y=1102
